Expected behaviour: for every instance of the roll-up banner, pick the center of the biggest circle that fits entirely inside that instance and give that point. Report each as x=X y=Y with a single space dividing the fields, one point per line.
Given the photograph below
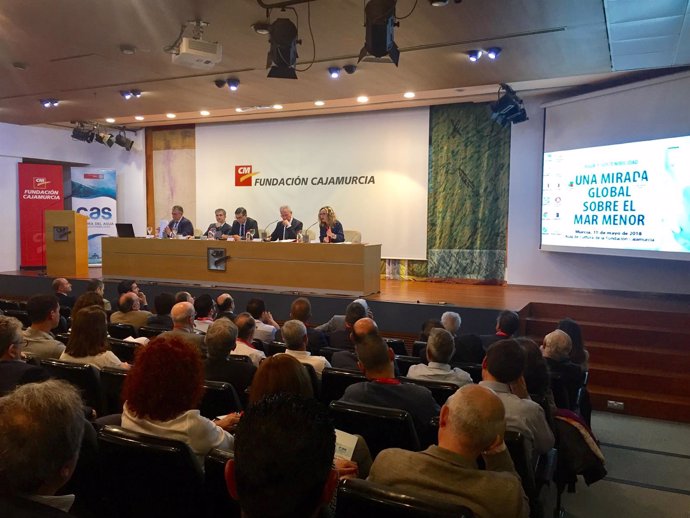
x=40 y=189
x=94 y=194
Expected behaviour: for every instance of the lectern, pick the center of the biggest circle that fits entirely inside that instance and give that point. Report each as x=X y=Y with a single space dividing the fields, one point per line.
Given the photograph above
x=67 y=244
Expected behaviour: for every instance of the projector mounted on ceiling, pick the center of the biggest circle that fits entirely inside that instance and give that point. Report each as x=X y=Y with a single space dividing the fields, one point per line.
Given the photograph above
x=198 y=53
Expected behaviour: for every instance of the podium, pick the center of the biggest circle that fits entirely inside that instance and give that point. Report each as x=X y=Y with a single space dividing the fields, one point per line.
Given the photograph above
x=67 y=244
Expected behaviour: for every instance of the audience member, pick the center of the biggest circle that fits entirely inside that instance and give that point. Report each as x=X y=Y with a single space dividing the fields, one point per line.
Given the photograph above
x=300 y=309
x=556 y=350
x=427 y=327
x=162 y=392
x=182 y=315
x=97 y=286
x=62 y=288
x=203 y=305
x=537 y=378
x=295 y=336
x=468 y=347
x=221 y=340
x=129 y=285
x=502 y=372
x=337 y=322
x=283 y=461
x=44 y=313
x=88 y=340
x=278 y=374
x=225 y=306
x=130 y=311
x=383 y=389
x=507 y=325
x=242 y=225
x=347 y=359
x=341 y=338
x=220 y=229
x=179 y=225
x=471 y=425
x=439 y=350
x=184 y=296
x=266 y=327
x=89 y=298
x=41 y=430
x=578 y=353
x=245 y=334
x=163 y=304
x=14 y=371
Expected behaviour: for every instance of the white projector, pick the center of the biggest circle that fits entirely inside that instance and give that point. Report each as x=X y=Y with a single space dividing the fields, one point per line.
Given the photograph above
x=198 y=54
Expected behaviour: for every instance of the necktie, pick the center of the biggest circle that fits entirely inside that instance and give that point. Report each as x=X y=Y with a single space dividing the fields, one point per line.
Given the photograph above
x=242 y=230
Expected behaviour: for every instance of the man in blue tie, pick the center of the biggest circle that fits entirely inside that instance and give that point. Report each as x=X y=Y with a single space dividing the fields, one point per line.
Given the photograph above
x=288 y=227
x=179 y=224
x=242 y=225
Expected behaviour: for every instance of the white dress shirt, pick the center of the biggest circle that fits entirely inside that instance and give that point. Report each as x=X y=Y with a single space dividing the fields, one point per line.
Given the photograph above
x=247 y=350
x=439 y=372
x=318 y=362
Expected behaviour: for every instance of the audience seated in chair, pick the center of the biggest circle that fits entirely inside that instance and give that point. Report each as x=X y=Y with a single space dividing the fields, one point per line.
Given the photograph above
x=14 y=371
x=41 y=430
x=300 y=309
x=440 y=349
x=131 y=286
x=225 y=306
x=266 y=327
x=502 y=372
x=283 y=461
x=507 y=324
x=130 y=311
x=294 y=333
x=556 y=350
x=183 y=327
x=163 y=304
x=98 y=287
x=205 y=312
x=337 y=322
x=246 y=325
x=62 y=288
x=162 y=393
x=44 y=313
x=471 y=424
x=347 y=359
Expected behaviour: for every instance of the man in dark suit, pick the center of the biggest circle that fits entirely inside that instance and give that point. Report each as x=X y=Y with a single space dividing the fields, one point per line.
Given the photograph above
x=243 y=224
x=507 y=325
x=62 y=288
x=288 y=227
x=179 y=223
x=300 y=309
x=347 y=359
x=341 y=339
x=13 y=371
x=221 y=339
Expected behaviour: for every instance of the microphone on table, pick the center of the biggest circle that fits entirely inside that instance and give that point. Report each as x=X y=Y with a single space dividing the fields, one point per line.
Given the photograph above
x=310 y=227
x=271 y=223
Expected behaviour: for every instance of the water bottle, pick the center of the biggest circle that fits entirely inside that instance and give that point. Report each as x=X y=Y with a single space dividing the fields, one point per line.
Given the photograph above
x=248 y=236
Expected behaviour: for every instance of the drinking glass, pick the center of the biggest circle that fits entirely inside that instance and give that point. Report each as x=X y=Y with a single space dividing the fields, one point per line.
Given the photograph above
x=173 y=233
x=149 y=231
x=252 y=232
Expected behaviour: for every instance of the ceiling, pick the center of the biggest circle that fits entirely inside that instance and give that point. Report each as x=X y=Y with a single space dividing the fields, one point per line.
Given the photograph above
x=71 y=50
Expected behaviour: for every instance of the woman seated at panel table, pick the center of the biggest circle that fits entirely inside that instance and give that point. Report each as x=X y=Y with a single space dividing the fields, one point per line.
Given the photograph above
x=331 y=230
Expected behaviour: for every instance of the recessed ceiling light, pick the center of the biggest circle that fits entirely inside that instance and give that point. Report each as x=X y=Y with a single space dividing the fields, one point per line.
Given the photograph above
x=204 y=113
x=277 y=106
x=139 y=117
x=170 y=115
x=239 y=110
x=493 y=52
x=109 y=120
x=409 y=95
x=334 y=72
x=362 y=99
x=474 y=55
x=319 y=103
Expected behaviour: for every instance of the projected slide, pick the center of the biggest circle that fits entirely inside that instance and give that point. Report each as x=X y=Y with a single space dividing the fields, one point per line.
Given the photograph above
x=633 y=196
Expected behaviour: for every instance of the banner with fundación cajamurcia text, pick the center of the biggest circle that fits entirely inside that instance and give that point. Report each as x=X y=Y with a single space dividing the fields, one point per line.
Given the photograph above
x=40 y=189
x=94 y=194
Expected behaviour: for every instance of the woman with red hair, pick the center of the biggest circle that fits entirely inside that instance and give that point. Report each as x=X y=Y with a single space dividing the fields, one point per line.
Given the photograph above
x=162 y=392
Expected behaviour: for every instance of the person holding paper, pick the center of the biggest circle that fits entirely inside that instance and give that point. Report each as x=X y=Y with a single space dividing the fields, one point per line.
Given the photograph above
x=330 y=229
x=179 y=225
x=288 y=227
x=220 y=229
x=243 y=224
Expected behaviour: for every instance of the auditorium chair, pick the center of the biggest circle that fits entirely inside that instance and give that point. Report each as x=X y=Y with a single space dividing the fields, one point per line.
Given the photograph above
x=85 y=377
x=65 y=311
x=515 y=443
x=417 y=348
x=125 y=351
x=405 y=362
x=62 y=337
x=122 y=331
x=275 y=348
x=259 y=345
x=22 y=316
x=219 y=398
x=335 y=381
x=357 y=498
x=328 y=352
x=151 y=331
x=146 y=476
x=8 y=305
x=353 y=236
x=473 y=369
x=112 y=381
x=315 y=381
x=440 y=390
x=381 y=427
x=219 y=503
x=397 y=345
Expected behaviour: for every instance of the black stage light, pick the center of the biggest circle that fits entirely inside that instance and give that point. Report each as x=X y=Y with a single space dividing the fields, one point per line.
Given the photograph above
x=122 y=140
x=220 y=83
x=282 y=56
x=334 y=72
x=350 y=69
x=49 y=103
x=509 y=108
x=493 y=52
x=380 y=25
x=474 y=55
x=233 y=84
x=83 y=134
x=105 y=138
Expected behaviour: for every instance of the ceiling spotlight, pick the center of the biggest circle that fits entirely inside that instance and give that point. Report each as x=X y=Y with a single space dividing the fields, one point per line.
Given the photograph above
x=83 y=134
x=262 y=28
x=170 y=115
x=110 y=120
x=282 y=56
x=139 y=117
x=122 y=140
x=220 y=83
x=129 y=94
x=239 y=110
x=350 y=69
x=204 y=113
x=409 y=95
x=334 y=72
x=362 y=99
x=233 y=84
x=277 y=106
x=493 y=52
x=438 y=3
x=319 y=103
x=474 y=55
x=105 y=138
x=509 y=107
x=49 y=103
x=380 y=24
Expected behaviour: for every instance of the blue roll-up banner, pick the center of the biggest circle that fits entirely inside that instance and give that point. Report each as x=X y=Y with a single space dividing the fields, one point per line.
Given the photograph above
x=94 y=194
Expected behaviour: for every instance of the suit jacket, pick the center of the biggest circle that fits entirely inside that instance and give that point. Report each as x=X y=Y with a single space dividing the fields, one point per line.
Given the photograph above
x=184 y=227
x=468 y=349
x=238 y=374
x=14 y=373
x=290 y=232
x=341 y=340
x=250 y=224
x=345 y=360
x=337 y=230
x=66 y=300
x=336 y=323
x=439 y=474
x=195 y=339
x=224 y=229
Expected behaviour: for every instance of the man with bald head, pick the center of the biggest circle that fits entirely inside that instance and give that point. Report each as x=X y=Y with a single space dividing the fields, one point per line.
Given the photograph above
x=348 y=359
x=472 y=423
x=183 y=315
x=225 y=306
x=300 y=309
x=556 y=351
x=130 y=311
x=62 y=288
